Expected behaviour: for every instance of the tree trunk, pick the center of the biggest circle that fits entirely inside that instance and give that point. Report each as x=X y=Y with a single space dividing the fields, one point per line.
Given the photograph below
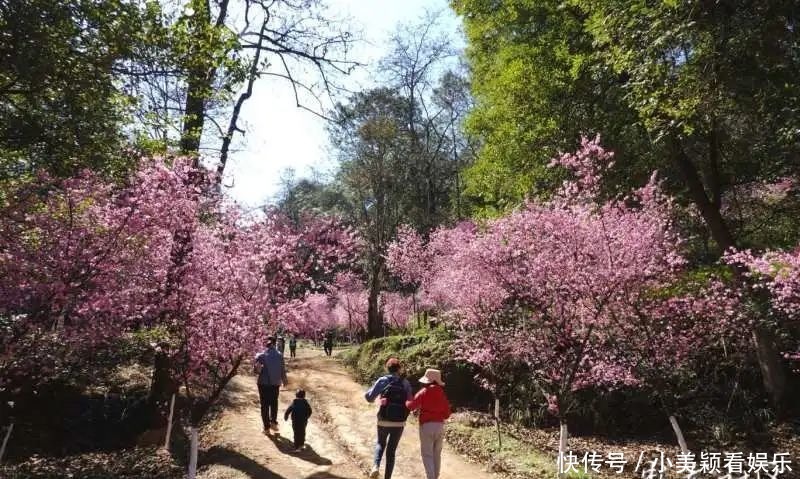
x=708 y=210
x=193 y=452
x=162 y=388
x=200 y=78
x=374 y=320
x=232 y=126
x=678 y=434
x=773 y=372
x=194 y=113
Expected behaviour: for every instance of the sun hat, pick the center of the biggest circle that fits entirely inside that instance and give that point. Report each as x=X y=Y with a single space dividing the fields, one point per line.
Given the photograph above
x=432 y=376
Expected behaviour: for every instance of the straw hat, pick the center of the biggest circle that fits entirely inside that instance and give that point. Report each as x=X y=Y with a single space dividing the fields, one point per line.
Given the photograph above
x=432 y=376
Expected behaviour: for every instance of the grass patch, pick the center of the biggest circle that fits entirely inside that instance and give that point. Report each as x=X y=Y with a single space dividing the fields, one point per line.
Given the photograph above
x=516 y=458
x=418 y=350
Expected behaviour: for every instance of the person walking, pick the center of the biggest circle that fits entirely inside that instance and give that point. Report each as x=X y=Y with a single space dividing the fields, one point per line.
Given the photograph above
x=293 y=346
x=281 y=345
x=394 y=391
x=328 y=345
x=271 y=371
x=299 y=411
x=434 y=410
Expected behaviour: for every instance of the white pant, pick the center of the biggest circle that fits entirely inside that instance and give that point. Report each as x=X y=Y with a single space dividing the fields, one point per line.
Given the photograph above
x=431 y=440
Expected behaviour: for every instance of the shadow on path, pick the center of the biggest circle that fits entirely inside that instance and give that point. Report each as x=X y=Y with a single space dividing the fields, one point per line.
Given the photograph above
x=228 y=457
x=286 y=446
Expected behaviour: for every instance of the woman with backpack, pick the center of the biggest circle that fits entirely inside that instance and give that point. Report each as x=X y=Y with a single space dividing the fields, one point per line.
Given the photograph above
x=394 y=391
x=434 y=410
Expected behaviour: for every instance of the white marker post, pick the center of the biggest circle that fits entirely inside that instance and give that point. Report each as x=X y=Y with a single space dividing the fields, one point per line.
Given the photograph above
x=169 y=422
x=5 y=441
x=678 y=434
x=562 y=446
x=497 y=421
x=193 y=453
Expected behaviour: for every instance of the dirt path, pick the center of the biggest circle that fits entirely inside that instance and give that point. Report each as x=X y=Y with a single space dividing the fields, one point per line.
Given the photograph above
x=340 y=435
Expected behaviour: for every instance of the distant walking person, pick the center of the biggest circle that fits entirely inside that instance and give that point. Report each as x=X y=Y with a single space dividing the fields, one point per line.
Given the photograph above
x=328 y=345
x=281 y=345
x=300 y=411
x=394 y=391
x=434 y=410
x=271 y=371
x=293 y=346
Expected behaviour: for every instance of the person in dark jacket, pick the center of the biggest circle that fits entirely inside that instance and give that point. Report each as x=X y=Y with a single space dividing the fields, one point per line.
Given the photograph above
x=271 y=371
x=328 y=345
x=394 y=391
x=300 y=411
x=293 y=346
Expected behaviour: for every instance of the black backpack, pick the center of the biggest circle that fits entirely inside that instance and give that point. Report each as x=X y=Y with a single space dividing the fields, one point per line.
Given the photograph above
x=395 y=409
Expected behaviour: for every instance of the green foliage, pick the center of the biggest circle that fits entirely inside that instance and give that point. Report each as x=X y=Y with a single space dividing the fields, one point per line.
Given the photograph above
x=303 y=196
x=422 y=349
x=417 y=352
x=714 y=83
x=61 y=107
x=537 y=88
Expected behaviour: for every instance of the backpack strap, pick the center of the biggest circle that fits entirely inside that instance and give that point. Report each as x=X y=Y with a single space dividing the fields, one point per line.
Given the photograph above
x=392 y=381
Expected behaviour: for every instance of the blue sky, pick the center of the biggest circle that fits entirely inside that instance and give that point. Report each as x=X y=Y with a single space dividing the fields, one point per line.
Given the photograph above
x=281 y=136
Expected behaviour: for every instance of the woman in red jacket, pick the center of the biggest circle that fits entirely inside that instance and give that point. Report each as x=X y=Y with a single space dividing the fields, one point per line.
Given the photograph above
x=434 y=409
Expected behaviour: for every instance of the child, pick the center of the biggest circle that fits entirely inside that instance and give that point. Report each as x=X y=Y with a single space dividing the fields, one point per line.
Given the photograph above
x=300 y=411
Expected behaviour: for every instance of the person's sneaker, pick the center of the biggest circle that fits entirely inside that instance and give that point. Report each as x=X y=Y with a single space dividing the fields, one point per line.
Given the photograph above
x=374 y=473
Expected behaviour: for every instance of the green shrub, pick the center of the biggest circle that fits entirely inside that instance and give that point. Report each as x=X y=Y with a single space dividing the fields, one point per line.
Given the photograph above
x=420 y=349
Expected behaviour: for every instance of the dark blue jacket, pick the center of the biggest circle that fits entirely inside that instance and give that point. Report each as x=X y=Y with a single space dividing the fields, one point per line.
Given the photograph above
x=300 y=411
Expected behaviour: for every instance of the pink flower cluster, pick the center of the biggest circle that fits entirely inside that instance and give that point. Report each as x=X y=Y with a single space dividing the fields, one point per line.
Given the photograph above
x=778 y=273
x=344 y=307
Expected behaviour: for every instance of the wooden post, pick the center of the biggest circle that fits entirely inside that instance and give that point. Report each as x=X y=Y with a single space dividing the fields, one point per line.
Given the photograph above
x=169 y=421
x=5 y=441
x=497 y=422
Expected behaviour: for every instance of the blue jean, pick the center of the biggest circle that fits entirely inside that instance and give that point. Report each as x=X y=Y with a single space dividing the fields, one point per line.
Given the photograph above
x=388 y=438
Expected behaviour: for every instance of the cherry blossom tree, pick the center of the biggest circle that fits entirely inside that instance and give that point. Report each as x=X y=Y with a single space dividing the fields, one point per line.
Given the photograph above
x=81 y=262
x=397 y=308
x=664 y=333
x=84 y=261
x=553 y=286
x=776 y=273
x=352 y=303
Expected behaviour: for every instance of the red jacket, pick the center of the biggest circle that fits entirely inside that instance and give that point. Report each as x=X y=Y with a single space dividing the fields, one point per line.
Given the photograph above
x=432 y=404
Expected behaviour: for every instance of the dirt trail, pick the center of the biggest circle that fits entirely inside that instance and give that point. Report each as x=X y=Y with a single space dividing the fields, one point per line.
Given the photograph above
x=340 y=435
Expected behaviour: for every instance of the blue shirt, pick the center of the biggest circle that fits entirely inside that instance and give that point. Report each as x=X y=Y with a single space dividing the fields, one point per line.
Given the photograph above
x=381 y=384
x=273 y=369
